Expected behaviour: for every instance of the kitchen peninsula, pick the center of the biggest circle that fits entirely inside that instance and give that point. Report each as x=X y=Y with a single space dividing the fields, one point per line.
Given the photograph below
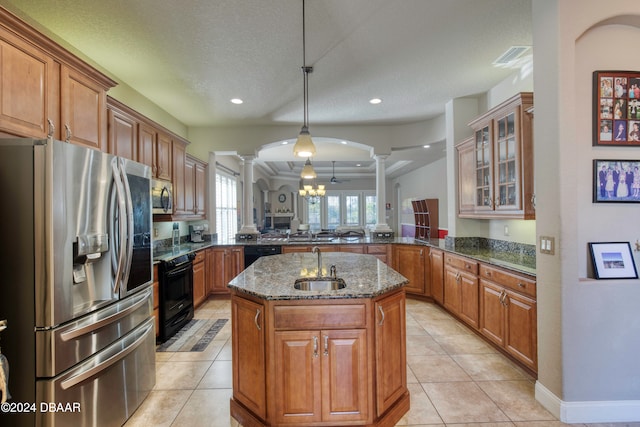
x=319 y=357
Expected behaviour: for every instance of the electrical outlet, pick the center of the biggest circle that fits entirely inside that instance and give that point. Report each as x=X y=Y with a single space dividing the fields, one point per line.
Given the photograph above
x=547 y=245
x=506 y=230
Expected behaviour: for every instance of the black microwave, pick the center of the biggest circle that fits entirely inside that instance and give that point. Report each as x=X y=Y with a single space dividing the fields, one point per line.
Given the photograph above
x=161 y=196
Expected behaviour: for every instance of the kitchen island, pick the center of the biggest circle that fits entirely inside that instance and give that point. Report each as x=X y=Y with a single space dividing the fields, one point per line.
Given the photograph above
x=318 y=357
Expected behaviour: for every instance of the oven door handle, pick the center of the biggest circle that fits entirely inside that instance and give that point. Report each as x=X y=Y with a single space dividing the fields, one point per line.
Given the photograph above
x=136 y=303
x=174 y=273
x=77 y=379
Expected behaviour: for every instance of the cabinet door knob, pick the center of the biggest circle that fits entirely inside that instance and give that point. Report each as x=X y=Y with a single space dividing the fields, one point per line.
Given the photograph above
x=522 y=285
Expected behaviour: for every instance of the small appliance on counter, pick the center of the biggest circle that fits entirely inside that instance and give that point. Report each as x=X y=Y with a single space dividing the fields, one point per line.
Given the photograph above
x=196 y=232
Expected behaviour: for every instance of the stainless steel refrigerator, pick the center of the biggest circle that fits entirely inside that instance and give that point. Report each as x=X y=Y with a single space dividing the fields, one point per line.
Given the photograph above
x=76 y=284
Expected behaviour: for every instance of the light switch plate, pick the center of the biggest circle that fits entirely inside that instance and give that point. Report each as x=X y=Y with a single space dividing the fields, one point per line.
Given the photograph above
x=547 y=245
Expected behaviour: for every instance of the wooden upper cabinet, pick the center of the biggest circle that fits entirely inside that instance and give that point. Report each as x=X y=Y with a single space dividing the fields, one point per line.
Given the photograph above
x=147 y=146
x=163 y=156
x=466 y=177
x=28 y=87
x=178 y=171
x=154 y=150
x=83 y=109
x=122 y=134
x=495 y=167
x=41 y=83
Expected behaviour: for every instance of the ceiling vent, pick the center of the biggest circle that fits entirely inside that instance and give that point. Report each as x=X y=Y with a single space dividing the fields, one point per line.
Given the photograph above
x=511 y=55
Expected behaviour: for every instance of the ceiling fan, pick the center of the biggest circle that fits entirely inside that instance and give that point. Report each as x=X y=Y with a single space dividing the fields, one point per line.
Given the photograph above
x=335 y=180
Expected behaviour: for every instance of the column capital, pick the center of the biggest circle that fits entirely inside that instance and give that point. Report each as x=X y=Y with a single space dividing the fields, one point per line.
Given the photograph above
x=380 y=156
x=248 y=157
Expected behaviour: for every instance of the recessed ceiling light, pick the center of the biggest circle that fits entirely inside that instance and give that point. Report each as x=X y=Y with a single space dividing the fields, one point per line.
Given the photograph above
x=375 y=101
x=426 y=146
x=358 y=164
x=236 y=101
x=285 y=142
x=343 y=142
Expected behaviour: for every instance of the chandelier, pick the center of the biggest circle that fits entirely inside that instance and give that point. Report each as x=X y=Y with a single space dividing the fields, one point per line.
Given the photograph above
x=304 y=146
x=313 y=193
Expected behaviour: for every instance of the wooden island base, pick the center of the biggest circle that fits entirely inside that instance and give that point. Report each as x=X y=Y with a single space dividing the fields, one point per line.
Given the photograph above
x=319 y=362
x=318 y=358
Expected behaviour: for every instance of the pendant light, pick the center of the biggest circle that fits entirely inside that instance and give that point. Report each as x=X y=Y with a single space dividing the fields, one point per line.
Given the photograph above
x=307 y=171
x=304 y=146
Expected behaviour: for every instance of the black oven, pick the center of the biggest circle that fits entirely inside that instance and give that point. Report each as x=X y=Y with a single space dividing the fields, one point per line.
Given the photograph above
x=176 y=295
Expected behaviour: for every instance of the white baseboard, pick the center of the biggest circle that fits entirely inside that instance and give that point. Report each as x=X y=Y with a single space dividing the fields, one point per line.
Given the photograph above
x=610 y=411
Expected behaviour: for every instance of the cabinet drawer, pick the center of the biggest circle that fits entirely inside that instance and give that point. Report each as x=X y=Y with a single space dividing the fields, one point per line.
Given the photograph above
x=461 y=263
x=377 y=249
x=509 y=280
x=320 y=316
x=200 y=256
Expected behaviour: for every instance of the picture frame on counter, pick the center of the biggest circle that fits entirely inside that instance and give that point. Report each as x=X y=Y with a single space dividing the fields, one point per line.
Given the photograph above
x=616 y=108
x=612 y=260
x=616 y=181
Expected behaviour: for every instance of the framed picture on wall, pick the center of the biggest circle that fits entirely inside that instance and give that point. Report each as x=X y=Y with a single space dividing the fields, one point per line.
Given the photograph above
x=613 y=260
x=616 y=181
x=616 y=108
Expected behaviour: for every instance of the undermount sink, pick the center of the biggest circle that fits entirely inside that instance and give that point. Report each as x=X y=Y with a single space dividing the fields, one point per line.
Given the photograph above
x=319 y=284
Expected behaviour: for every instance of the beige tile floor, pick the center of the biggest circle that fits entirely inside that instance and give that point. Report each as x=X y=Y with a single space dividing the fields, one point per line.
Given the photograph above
x=454 y=377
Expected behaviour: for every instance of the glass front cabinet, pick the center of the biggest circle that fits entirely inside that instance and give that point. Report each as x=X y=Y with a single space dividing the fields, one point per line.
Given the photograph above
x=495 y=166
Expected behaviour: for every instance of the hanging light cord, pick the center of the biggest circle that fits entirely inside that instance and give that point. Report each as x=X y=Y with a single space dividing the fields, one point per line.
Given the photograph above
x=306 y=70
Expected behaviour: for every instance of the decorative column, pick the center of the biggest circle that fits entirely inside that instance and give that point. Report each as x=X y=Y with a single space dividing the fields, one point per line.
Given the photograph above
x=382 y=228
x=248 y=226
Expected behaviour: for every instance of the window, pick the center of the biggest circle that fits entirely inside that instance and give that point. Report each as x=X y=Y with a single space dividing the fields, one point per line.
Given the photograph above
x=333 y=212
x=356 y=209
x=370 y=207
x=313 y=213
x=226 y=206
x=351 y=210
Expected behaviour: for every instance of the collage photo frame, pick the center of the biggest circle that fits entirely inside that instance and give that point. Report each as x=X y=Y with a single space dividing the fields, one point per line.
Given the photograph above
x=616 y=108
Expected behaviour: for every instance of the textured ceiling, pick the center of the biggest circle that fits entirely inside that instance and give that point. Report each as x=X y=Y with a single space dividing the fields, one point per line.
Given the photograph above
x=190 y=57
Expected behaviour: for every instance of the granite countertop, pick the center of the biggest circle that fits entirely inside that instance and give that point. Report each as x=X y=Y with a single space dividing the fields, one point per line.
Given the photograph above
x=273 y=277
x=505 y=257
x=168 y=253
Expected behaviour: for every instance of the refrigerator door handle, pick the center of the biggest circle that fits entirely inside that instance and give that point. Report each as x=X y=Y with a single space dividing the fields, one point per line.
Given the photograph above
x=85 y=375
x=136 y=302
x=121 y=226
x=129 y=224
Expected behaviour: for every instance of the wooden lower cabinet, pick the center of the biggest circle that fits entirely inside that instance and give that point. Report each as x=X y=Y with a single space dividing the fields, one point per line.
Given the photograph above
x=319 y=362
x=436 y=258
x=413 y=263
x=382 y=252
x=461 y=288
x=249 y=355
x=223 y=264
x=390 y=348
x=509 y=313
x=322 y=376
x=199 y=279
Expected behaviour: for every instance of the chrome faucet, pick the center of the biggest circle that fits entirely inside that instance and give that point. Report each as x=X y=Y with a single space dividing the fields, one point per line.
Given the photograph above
x=332 y=272
x=314 y=251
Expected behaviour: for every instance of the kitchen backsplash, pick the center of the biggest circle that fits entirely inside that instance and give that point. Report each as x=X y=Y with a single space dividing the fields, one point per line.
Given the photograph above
x=482 y=243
